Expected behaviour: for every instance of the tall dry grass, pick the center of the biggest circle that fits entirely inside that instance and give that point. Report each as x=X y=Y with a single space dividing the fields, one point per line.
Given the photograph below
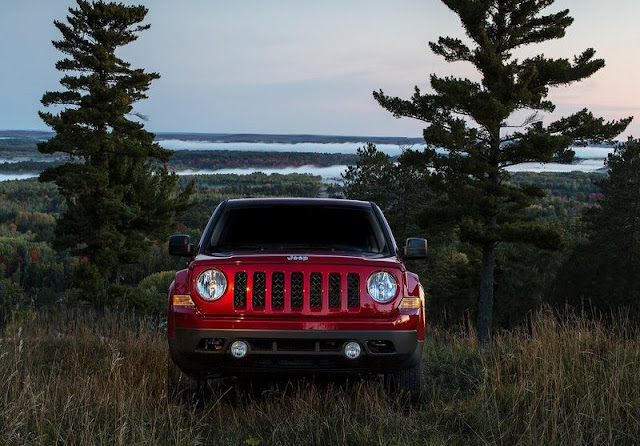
x=572 y=381
x=77 y=378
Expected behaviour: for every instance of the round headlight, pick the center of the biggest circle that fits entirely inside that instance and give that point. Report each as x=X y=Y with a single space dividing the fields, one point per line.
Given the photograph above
x=211 y=284
x=382 y=286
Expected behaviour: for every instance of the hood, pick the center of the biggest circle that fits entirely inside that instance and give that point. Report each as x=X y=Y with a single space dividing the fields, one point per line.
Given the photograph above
x=297 y=258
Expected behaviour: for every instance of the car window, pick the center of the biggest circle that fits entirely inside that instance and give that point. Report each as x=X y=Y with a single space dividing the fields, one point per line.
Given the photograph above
x=298 y=227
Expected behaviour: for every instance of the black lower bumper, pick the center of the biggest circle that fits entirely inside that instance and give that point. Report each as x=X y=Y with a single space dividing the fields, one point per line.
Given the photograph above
x=205 y=352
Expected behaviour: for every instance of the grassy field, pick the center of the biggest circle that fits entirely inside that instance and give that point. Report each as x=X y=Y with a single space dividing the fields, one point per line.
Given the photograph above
x=76 y=378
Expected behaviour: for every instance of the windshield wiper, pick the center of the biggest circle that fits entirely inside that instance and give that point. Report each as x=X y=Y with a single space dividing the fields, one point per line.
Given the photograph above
x=238 y=248
x=321 y=246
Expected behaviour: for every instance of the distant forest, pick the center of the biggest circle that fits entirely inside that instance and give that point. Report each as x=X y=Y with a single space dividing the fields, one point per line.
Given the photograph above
x=23 y=148
x=32 y=273
x=208 y=160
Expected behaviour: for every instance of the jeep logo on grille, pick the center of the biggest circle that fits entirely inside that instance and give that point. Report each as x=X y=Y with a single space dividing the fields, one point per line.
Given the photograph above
x=301 y=258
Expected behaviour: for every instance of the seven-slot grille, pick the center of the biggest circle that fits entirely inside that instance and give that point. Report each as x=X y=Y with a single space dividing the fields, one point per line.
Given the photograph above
x=295 y=290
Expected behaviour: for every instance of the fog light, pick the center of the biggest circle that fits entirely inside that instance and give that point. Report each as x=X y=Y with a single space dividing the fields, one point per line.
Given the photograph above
x=239 y=349
x=352 y=350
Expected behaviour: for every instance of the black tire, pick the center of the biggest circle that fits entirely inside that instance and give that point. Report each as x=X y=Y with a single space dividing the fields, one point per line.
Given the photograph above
x=406 y=385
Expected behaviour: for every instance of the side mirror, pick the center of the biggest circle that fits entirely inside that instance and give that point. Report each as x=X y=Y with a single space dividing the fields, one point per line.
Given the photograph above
x=415 y=248
x=180 y=245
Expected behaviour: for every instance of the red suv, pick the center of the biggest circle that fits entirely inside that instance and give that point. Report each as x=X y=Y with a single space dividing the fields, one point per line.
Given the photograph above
x=297 y=286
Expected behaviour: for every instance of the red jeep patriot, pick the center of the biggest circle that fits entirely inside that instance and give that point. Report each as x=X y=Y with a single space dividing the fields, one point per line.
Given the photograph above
x=297 y=286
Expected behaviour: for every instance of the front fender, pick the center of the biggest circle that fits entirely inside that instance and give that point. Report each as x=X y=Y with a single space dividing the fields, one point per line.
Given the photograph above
x=415 y=289
x=180 y=285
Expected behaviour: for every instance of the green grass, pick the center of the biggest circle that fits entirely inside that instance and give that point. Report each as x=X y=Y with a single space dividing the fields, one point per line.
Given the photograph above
x=78 y=378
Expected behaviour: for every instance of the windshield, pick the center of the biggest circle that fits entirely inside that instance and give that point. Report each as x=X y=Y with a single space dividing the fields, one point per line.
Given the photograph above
x=298 y=227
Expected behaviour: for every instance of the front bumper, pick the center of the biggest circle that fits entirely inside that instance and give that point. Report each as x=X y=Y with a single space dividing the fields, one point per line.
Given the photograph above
x=205 y=352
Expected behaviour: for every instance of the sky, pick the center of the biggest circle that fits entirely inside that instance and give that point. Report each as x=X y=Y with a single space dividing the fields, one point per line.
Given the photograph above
x=304 y=67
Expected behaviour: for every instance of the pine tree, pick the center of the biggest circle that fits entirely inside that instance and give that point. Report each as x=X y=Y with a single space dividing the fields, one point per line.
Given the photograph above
x=117 y=188
x=471 y=121
x=603 y=274
x=395 y=187
x=371 y=178
x=617 y=220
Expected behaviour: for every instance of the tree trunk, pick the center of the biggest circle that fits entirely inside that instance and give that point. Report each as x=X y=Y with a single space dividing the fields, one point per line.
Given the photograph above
x=485 y=303
x=118 y=277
